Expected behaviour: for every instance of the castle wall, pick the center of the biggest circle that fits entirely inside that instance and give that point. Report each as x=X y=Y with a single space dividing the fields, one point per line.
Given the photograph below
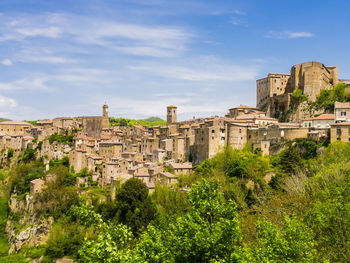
x=273 y=85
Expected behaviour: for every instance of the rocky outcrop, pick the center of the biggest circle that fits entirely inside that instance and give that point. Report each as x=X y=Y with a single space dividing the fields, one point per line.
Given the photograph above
x=33 y=235
x=35 y=228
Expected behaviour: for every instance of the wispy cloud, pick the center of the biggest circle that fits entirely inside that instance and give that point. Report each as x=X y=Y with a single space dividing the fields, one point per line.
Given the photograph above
x=226 y=12
x=134 y=39
x=38 y=84
x=50 y=32
x=237 y=22
x=6 y=62
x=31 y=55
x=288 y=35
x=200 y=69
x=6 y=102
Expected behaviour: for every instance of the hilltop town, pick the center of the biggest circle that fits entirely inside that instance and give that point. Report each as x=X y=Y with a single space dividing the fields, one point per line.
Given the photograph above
x=83 y=171
x=161 y=153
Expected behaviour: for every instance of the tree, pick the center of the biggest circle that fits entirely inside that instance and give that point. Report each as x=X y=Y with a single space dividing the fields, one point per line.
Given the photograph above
x=112 y=242
x=292 y=243
x=134 y=207
x=209 y=232
x=10 y=153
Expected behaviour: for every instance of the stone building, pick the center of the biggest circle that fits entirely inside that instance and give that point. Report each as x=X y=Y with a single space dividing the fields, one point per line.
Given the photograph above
x=210 y=138
x=36 y=186
x=92 y=126
x=273 y=85
x=181 y=168
x=342 y=111
x=165 y=178
x=63 y=122
x=237 y=135
x=274 y=91
x=15 y=128
x=243 y=110
x=78 y=159
x=322 y=121
x=171 y=116
x=340 y=132
x=110 y=149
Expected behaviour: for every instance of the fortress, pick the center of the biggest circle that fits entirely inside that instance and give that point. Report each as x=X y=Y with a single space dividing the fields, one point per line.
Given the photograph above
x=274 y=91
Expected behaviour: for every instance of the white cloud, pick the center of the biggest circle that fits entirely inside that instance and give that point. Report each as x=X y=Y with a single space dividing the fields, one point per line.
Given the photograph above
x=134 y=39
x=50 y=32
x=25 y=84
x=205 y=69
x=237 y=22
x=299 y=34
x=6 y=103
x=6 y=62
x=288 y=35
x=41 y=55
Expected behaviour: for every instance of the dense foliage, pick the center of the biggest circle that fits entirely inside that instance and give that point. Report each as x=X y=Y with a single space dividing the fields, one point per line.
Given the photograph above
x=327 y=98
x=134 y=207
x=60 y=138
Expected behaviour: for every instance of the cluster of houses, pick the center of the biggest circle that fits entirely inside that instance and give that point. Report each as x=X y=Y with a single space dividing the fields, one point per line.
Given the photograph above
x=159 y=154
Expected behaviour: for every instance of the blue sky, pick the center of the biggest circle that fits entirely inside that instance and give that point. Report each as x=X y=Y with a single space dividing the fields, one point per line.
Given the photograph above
x=66 y=58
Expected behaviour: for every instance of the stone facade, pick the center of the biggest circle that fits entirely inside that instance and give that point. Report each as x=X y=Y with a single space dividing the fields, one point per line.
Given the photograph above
x=274 y=91
x=171 y=116
x=273 y=85
x=342 y=111
x=322 y=121
x=15 y=128
x=110 y=149
x=340 y=132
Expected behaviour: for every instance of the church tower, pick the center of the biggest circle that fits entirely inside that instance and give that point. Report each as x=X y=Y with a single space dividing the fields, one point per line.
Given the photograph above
x=171 y=116
x=105 y=110
x=105 y=119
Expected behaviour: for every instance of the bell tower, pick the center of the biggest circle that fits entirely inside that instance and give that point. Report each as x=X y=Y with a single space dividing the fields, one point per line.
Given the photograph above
x=171 y=116
x=105 y=110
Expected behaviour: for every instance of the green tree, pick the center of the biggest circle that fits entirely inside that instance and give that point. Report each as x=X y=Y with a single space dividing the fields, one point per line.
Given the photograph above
x=170 y=201
x=134 y=207
x=208 y=233
x=10 y=153
x=112 y=243
x=292 y=243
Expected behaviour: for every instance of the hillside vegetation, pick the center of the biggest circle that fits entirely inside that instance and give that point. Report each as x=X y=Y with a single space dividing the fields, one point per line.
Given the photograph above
x=241 y=207
x=152 y=121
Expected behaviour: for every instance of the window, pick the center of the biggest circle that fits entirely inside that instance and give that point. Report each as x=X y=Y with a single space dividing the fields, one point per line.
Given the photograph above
x=240 y=130
x=343 y=113
x=338 y=131
x=212 y=131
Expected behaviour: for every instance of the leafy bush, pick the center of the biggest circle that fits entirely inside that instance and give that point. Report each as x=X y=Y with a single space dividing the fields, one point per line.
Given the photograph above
x=66 y=237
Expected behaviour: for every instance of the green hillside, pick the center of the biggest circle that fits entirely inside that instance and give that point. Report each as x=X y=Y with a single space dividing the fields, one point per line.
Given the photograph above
x=151 y=121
